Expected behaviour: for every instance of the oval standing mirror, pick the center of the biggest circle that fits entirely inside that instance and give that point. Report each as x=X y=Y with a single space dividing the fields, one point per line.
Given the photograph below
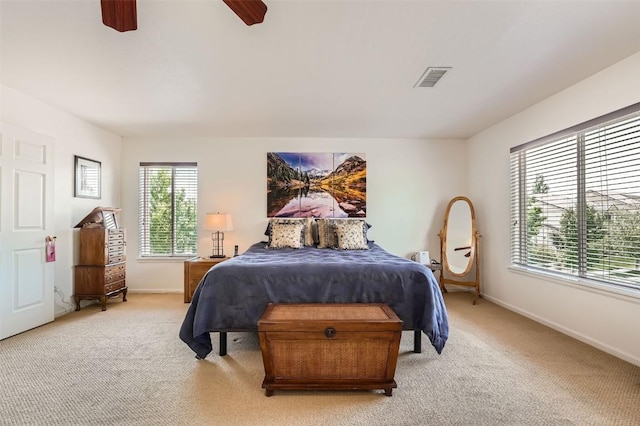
x=459 y=224
x=459 y=245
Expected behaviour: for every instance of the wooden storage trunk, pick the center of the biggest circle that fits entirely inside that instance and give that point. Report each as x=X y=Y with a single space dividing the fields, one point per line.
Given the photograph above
x=329 y=346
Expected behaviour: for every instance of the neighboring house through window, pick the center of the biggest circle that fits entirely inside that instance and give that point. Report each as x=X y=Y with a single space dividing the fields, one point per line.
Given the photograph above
x=168 y=209
x=575 y=201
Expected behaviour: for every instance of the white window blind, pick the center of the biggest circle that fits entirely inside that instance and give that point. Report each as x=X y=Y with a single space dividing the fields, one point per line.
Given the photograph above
x=168 y=209
x=575 y=200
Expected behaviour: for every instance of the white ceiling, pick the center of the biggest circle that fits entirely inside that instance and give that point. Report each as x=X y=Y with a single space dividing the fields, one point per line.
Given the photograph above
x=313 y=68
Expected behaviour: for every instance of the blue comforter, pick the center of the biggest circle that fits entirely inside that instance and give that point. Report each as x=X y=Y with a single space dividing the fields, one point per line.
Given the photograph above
x=233 y=295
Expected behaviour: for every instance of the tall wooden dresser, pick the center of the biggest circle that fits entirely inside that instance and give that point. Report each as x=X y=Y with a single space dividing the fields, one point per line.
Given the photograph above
x=101 y=271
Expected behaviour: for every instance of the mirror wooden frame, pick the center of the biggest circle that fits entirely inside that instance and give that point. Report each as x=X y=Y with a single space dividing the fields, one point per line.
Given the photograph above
x=447 y=276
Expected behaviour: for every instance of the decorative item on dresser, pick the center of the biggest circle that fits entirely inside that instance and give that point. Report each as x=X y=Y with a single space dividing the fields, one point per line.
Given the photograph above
x=101 y=271
x=194 y=270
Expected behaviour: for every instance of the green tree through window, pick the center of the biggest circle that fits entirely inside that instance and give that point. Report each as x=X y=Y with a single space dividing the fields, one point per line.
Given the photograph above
x=168 y=209
x=595 y=233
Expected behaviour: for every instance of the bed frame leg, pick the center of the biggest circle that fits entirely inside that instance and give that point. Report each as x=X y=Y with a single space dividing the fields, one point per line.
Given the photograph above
x=223 y=343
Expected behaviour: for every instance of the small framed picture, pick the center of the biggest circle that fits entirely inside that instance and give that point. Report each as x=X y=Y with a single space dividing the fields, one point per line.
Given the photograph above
x=87 y=177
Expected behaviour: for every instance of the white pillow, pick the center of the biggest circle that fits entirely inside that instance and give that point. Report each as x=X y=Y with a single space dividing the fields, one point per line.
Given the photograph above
x=351 y=235
x=286 y=235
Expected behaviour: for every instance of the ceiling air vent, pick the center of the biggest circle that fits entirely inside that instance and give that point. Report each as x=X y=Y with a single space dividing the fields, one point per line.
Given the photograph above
x=431 y=76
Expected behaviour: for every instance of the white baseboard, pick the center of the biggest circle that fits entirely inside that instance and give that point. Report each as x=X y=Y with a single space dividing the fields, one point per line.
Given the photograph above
x=155 y=291
x=569 y=332
x=60 y=311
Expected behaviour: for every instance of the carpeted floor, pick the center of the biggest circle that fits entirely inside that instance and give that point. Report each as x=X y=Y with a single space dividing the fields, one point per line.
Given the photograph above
x=127 y=366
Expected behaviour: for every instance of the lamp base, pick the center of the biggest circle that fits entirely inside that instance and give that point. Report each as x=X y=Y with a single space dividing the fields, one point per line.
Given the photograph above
x=217 y=251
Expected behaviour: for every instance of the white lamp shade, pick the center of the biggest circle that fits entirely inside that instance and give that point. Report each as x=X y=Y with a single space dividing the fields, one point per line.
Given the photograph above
x=218 y=222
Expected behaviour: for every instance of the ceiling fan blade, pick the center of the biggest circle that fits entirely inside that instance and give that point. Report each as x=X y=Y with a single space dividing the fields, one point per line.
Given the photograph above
x=119 y=14
x=250 y=11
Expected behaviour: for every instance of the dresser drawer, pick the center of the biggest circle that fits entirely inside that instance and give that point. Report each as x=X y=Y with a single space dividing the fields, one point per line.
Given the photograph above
x=109 y=288
x=113 y=273
x=117 y=257
x=116 y=276
x=112 y=269
x=116 y=248
x=116 y=235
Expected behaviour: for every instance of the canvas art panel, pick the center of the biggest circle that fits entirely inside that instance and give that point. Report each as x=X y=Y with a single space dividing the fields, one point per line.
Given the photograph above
x=316 y=184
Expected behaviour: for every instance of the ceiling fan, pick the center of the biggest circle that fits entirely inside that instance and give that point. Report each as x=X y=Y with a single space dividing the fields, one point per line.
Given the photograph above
x=121 y=14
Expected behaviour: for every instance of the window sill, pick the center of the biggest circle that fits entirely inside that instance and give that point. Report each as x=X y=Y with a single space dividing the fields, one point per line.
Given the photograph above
x=610 y=290
x=160 y=259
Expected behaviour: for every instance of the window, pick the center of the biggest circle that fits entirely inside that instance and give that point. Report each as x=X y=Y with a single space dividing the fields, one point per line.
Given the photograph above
x=575 y=201
x=168 y=209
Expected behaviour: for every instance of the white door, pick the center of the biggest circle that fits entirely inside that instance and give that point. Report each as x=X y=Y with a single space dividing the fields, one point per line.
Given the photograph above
x=26 y=219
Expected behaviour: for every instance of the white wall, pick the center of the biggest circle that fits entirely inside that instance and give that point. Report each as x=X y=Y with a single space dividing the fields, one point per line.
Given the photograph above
x=604 y=320
x=409 y=183
x=72 y=137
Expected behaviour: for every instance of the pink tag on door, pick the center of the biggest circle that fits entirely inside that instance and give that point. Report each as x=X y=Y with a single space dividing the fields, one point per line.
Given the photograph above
x=50 y=249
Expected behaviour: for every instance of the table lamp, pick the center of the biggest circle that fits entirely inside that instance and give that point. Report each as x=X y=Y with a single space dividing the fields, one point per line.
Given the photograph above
x=217 y=223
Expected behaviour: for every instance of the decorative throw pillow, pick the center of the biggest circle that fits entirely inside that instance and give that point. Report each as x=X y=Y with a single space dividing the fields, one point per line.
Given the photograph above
x=314 y=230
x=327 y=237
x=307 y=232
x=351 y=235
x=326 y=234
x=286 y=235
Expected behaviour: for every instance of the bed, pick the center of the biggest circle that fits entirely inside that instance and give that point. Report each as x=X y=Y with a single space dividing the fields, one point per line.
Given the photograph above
x=233 y=295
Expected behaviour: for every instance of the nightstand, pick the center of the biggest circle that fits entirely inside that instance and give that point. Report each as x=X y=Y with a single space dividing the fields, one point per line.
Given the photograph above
x=194 y=270
x=435 y=267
